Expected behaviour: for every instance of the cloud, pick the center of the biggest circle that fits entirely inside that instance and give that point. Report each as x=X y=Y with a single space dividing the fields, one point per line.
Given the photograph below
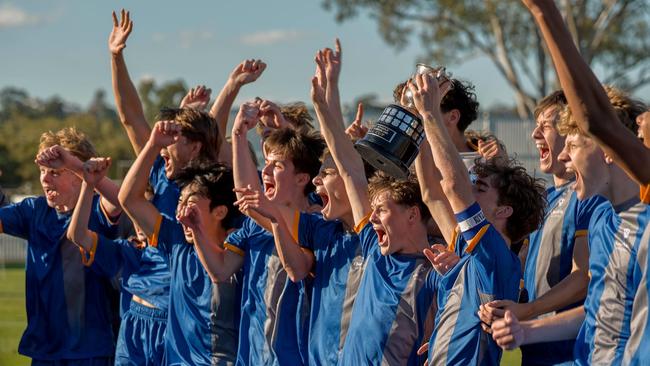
x=12 y=17
x=271 y=37
x=189 y=37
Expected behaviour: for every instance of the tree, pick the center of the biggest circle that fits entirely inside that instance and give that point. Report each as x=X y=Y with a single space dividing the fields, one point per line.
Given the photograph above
x=612 y=35
x=154 y=97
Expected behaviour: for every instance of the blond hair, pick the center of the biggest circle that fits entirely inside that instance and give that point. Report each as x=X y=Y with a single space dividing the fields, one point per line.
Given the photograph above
x=71 y=139
x=626 y=108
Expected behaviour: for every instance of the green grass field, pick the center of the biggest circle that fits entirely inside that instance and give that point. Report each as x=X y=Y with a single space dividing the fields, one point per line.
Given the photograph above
x=13 y=319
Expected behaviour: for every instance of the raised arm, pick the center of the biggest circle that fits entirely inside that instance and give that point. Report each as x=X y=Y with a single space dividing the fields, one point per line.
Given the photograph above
x=325 y=96
x=297 y=261
x=94 y=170
x=429 y=180
x=220 y=264
x=143 y=213
x=455 y=178
x=129 y=107
x=57 y=157
x=246 y=72
x=587 y=99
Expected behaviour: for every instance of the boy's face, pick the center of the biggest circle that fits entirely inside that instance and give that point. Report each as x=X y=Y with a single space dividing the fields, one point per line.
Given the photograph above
x=391 y=223
x=549 y=143
x=582 y=156
x=280 y=179
x=643 y=120
x=178 y=155
x=190 y=196
x=331 y=189
x=61 y=187
x=486 y=196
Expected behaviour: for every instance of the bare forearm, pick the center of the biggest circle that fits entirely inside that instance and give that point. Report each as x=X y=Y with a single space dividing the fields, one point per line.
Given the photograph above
x=562 y=326
x=109 y=191
x=432 y=194
x=455 y=178
x=295 y=261
x=221 y=108
x=128 y=104
x=78 y=230
x=570 y=290
x=587 y=99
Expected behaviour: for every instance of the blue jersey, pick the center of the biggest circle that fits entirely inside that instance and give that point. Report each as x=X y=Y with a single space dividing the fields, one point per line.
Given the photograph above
x=615 y=234
x=394 y=308
x=68 y=315
x=270 y=331
x=117 y=257
x=337 y=272
x=550 y=260
x=151 y=281
x=203 y=317
x=636 y=350
x=488 y=270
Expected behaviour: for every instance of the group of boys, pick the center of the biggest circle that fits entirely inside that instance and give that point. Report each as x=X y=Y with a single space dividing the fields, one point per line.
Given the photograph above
x=318 y=259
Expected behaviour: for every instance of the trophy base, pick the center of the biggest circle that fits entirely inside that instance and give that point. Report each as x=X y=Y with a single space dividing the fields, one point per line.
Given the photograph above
x=381 y=159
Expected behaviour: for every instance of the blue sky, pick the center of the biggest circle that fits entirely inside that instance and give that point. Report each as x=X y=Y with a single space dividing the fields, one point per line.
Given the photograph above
x=60 y=47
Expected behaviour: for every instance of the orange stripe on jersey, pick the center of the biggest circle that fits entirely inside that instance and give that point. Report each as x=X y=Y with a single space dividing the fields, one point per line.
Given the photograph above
x=153 y=239
x=472 y=244
x=362 y=223
x=454 y=237
x=1 y=228
x=645 y=194
x=296 y=223
x=88 y=258
x=580 y=233
x=234 y=249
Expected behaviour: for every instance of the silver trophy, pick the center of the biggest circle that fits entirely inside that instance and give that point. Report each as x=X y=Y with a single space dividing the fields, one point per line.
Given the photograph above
x=394 y=141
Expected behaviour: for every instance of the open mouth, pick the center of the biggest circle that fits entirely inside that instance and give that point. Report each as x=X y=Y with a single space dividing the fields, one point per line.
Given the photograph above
x=381 y=235
x=50 y=193
x=325 y=198
x=544 y=151
x=269 y=189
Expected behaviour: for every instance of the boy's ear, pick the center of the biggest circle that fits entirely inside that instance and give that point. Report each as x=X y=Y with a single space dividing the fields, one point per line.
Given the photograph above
x=503 y=212
x=219 y=212
x=302 y=179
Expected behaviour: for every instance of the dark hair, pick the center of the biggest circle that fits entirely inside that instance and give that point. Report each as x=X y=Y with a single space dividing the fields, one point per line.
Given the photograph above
x=213 y=181
x=555 y=99
x=525 y=194
x=461 y=97
x=405 y=192
x=197 y=126
x=303 y=148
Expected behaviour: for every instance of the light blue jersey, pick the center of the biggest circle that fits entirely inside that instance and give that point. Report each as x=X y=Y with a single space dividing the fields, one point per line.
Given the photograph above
x=337 y=271
x=614 y=237
x=550 y=260
x=274 y=310
x=394 y=308
x=488 y=270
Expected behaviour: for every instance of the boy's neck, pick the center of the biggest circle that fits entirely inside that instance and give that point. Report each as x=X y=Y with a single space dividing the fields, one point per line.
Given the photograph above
x=620 y=187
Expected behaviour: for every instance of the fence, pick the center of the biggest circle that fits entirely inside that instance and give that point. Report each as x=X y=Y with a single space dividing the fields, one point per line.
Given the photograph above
x=12 y=250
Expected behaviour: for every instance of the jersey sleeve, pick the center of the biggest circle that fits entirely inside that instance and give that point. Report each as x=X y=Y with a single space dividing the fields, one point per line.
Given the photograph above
x=99 y=222
x=15 y=219
x=367 y=235
x=167 y=233
x=586 y=209
x=237 y=241
x=313 y=232
x=109 y=255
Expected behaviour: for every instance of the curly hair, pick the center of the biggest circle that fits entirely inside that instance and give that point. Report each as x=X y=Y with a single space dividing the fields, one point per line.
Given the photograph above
x=460 y=97
x=303 y=148
x=71 y=139
x=197 y=126
x=525 y=194
x=626 y=108
x=298 y=115
x=213 y=181
x=405 y=192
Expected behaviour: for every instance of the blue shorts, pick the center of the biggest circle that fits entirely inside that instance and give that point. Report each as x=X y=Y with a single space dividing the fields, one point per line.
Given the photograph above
x=141 y=340
x=94 y=361
x=549 y=353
